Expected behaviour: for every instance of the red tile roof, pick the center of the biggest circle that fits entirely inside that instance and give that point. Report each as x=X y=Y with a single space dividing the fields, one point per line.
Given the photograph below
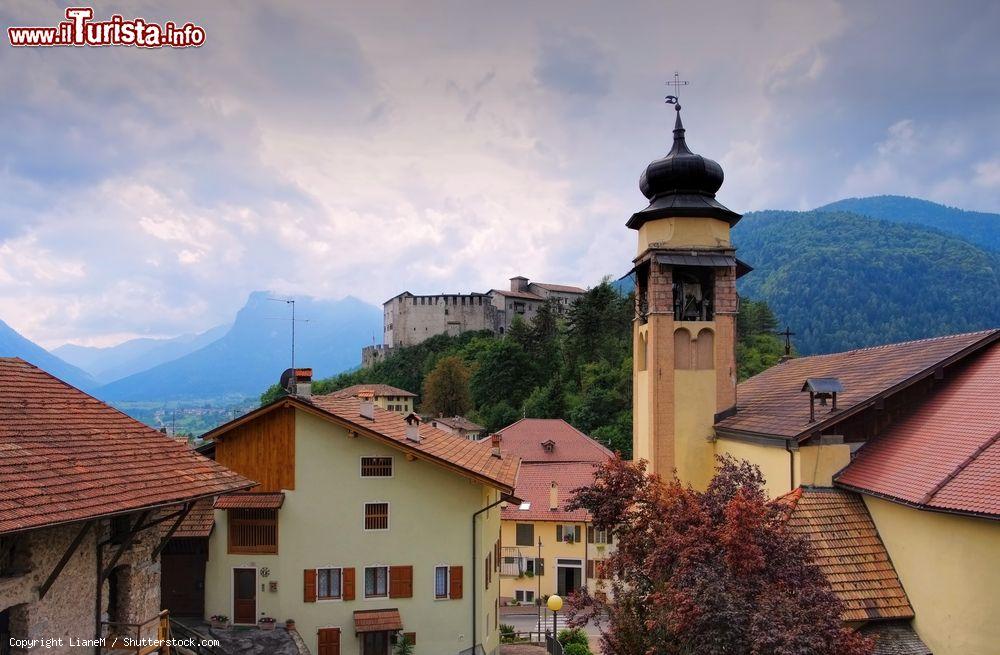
x=458 y=423
x=377 y=620
x=945 y=455
x=847 y=548
x=534 y=482
x=772 y=403
x=251 y=500
x=198 y=523
x=379 y=390
x=525 y=438
x=66 y=456
x=473 y=458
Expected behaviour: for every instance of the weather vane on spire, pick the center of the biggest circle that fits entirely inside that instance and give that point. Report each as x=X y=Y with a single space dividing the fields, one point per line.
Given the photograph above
x=677 y=83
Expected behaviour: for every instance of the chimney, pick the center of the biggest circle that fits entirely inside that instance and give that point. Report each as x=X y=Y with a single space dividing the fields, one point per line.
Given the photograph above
x=413 y=427
x=495 y=440
x=303 y=382
x=554 y=496
x=519 y=283
x=367 y=397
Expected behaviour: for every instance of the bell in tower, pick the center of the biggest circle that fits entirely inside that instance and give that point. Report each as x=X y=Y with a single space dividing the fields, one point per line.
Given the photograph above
x=684 y=333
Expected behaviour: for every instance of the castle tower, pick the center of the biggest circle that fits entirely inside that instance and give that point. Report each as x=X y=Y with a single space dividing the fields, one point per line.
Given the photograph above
x=684 y=332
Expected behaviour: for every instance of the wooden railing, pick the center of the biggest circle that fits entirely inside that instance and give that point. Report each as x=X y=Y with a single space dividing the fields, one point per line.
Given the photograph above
x=146 y=637
x=253 y=531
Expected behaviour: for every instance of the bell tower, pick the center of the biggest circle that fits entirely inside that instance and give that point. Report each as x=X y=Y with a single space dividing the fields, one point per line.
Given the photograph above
x=684 y=331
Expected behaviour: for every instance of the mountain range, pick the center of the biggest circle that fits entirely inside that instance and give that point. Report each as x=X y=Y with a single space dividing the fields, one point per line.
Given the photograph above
x=857 y=272
x=223 y=364
x=135 y=355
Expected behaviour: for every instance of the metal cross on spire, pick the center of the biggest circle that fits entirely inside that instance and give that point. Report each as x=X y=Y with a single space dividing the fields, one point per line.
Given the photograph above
x=677 y=83
x=788 y=334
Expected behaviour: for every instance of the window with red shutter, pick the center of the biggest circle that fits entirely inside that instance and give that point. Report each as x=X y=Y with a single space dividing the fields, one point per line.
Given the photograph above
x=309 y=586
x=400 y=581
x=590 y=568
x=348 y=582
x=455 y=583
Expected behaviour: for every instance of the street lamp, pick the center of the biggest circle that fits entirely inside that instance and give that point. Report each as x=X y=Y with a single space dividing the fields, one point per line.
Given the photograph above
x=538 y=580
x=555 y=604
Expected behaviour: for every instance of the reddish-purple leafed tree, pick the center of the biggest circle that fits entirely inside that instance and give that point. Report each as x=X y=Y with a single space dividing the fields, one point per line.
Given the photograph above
x=706 y=573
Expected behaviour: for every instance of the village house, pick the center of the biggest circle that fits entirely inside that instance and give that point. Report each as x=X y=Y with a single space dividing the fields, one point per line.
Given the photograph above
x=366 y=526
x=459 y=425
x=409 y=319
x=548 y=549
x=385 y=396
x=88 y=500
x=886 y=458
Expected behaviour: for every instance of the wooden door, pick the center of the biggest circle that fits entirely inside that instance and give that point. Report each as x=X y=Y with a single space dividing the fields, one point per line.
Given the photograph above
x=329 y=641
x=244 y=595
x=374 y=643
x=182 y=581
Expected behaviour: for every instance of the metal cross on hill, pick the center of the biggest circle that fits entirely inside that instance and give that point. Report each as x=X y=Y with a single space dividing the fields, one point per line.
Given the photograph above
x=677 y=83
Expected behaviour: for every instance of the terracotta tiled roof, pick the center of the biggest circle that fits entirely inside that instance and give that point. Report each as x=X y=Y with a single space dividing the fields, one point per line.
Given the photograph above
x=945 y=455
x=895 y=638
x=66 y=456
x=198 y=523
x=474 y=458
x=534 y=483
x=251 y=500
x=525 y=438
x=772 y=403
x=379 y=389
x=459 y=423
x=377 y=620
x=847 y=548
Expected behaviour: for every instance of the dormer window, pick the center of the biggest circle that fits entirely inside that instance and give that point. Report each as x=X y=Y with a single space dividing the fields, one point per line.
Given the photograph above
x=549 y=446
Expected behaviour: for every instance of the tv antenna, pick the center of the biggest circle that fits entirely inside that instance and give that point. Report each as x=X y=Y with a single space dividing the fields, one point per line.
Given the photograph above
x=291 y=302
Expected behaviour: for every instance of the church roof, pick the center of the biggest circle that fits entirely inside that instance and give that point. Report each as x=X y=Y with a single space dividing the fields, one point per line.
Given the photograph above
x=848 y=550
x=772 y=404
x=945 y=454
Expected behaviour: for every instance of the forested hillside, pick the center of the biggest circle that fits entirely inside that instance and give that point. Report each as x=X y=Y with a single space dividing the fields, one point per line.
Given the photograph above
x=981 y=228
x=845 y=281
x=577 y=367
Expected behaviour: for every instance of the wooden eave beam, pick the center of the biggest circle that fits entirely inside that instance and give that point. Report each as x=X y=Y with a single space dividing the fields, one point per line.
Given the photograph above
x=181 y=515
x=44 y=589
x=129 y=540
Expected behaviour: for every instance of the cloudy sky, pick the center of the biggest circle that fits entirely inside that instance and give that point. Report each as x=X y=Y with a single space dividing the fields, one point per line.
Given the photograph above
x=334 y=149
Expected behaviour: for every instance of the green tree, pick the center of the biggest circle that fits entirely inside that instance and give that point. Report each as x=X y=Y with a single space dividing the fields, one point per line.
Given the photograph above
x=548 y=401
x=500 y=375
x=446 y=388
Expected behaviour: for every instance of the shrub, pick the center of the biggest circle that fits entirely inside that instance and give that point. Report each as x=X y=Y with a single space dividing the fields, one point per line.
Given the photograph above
x=506 y=633
x=573 y=636
x=577 y=649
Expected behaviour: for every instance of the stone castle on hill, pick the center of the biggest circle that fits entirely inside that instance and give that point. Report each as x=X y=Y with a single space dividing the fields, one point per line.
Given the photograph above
x=409 y=319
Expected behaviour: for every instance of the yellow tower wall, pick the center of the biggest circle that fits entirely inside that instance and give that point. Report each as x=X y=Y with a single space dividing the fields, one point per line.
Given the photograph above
x=684 y=231
x=950 y=568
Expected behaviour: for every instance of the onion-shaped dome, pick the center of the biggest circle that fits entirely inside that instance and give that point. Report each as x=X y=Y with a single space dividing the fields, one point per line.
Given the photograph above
x=681 y=184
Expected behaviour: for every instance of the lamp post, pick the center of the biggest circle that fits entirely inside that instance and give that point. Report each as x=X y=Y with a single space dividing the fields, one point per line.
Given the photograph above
x=555 y=604
x=538 y=594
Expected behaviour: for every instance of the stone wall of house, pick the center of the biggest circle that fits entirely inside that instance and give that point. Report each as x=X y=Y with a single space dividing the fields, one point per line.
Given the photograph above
x=67 y=610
